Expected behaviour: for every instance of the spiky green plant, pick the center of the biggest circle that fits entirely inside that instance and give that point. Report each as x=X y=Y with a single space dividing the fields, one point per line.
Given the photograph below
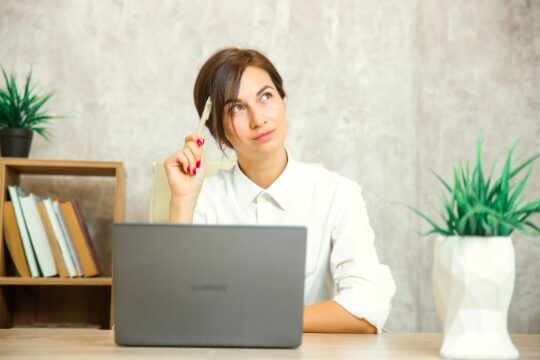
x=477 y=206
x=24 y=110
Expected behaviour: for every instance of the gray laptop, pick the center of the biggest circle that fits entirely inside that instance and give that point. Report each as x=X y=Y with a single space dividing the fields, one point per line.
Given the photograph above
x=208 y=285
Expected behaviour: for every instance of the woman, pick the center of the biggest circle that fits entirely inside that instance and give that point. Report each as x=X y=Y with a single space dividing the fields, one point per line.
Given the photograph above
x=346 y=288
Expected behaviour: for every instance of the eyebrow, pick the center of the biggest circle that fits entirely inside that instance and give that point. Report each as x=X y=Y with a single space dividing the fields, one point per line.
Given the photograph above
x=263 y=88
x=258 y=93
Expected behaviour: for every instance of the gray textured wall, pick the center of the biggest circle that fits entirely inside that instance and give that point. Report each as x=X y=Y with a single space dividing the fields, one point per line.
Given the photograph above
x=379 y=91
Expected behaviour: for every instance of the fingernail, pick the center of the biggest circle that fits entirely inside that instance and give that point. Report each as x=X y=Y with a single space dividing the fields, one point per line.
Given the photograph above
x=188 y=171
x=199 y=142
x=194 y=171
x=198 y=164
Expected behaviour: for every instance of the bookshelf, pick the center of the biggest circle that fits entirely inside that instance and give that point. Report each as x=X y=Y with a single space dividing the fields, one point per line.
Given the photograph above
x=58 y=302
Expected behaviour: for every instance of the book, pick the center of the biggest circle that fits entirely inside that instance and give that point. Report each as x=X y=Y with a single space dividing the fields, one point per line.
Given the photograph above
x=23 y=231
x=38 y=236
x=84 y=250
x=59 y=234
x=53 y=242
x=86 y=234
x=67 y=236
x=14 y=241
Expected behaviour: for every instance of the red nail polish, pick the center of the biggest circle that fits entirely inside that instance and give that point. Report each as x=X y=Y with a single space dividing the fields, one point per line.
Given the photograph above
x=188 y=170
x=199 y=142
x=198 y=164
x=194 y=171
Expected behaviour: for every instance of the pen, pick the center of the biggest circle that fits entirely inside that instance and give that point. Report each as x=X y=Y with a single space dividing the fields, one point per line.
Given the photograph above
x=205 y=115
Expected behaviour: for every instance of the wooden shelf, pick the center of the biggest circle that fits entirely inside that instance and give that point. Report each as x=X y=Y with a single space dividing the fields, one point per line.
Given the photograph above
x=17 y=280
x=25 y=301
x=63 y=167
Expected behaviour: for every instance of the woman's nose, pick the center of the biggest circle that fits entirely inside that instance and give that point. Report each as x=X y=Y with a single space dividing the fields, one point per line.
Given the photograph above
x=256 y=119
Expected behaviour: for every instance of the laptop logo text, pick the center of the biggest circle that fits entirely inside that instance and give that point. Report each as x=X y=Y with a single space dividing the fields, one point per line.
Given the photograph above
x=196 y=287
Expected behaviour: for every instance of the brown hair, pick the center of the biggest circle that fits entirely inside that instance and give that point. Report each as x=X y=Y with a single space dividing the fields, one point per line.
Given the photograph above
x=220 y=77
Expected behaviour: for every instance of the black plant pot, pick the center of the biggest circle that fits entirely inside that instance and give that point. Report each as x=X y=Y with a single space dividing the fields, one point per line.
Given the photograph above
x=15 y=142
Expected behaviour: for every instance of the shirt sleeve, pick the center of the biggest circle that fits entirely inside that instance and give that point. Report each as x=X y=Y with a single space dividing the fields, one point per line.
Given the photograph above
x=363 y=286
x=199 y=217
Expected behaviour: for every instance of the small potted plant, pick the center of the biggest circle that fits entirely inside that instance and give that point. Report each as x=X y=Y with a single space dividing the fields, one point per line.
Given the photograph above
x=473 y=262
x=20 y=115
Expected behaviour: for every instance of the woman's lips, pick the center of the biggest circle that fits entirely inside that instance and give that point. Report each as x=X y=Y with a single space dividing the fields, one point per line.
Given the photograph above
x=264 y=135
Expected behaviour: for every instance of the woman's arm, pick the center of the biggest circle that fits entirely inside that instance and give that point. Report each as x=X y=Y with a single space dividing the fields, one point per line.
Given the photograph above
x=185 y=173
x=181 y=211
x=330 y=317
x=363 y=287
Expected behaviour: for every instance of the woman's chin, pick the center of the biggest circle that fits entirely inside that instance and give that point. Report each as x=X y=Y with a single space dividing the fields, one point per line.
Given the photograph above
x=262 y=149
x=268 y=147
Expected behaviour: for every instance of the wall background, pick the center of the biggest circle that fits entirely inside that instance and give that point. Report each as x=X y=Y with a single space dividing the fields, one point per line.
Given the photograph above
x=379 y=91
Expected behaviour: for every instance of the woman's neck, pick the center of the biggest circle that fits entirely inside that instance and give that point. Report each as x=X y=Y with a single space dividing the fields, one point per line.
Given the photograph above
x=264 y=171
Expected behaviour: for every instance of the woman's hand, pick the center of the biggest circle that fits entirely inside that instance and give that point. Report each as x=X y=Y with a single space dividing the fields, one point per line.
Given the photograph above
x=330 y=317
x=185 y=174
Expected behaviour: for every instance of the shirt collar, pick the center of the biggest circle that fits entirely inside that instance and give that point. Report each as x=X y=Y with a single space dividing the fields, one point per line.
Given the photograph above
x=281 y=189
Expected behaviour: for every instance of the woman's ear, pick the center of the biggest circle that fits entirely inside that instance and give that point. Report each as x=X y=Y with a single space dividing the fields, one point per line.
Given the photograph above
x=285 y=100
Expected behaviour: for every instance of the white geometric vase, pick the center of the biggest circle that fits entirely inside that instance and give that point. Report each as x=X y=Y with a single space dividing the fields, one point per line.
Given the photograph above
x=473 y=281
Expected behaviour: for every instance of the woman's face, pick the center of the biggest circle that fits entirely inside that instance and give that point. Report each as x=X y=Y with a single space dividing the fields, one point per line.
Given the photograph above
x=256 y=123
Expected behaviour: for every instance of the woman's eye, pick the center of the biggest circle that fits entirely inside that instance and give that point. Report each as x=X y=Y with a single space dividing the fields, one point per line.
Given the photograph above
x=237 y=108
x=266 y=96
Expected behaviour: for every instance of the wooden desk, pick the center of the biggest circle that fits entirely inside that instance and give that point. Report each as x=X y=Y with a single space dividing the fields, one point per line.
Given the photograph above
x=95 y=344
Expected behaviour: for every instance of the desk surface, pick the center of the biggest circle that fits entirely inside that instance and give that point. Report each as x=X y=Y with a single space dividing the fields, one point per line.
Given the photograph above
x=92 y=344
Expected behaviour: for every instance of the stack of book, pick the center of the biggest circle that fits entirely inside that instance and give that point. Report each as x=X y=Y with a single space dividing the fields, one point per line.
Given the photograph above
x=48 y=237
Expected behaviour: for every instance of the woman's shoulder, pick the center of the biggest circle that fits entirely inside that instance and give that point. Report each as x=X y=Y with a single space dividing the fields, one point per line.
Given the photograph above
x=320 y=176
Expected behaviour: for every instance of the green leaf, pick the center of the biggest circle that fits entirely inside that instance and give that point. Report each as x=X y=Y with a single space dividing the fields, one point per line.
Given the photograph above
x=428 y=219
x=519 y=188
x=448 y=187
x=533 y=226
x=518 y=169
x=533 y=206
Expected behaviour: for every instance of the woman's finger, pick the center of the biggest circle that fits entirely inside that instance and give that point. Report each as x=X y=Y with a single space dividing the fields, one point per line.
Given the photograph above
x=195 y=138
x=183 y=161
x=173 y=162
x=186 y=151
x=196 y=151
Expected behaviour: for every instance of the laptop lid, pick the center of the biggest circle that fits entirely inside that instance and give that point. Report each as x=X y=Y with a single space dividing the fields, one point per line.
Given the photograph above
x=208 y=285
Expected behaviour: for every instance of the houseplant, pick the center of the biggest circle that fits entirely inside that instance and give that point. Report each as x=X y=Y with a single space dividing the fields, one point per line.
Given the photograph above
x=473 y=263
x=20 y=115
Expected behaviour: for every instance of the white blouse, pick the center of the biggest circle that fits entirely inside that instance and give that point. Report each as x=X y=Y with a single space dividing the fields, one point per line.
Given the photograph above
x=341 y=260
